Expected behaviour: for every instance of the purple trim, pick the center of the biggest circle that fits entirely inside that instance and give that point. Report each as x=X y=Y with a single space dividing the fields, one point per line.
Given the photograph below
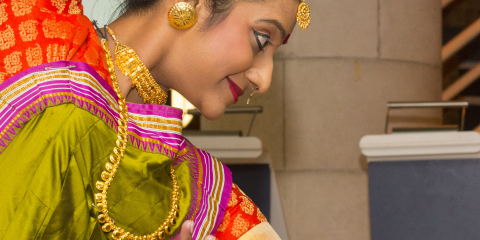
x=191 y=159
x=156 y=110
x=208 y=186
x=103 y=110
x=79 y=66
x=39 y=90
x=227 y=191
x=206 y=189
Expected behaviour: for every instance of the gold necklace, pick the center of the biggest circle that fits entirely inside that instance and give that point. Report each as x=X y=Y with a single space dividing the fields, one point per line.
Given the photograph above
x=130 y=64
x=107 y=176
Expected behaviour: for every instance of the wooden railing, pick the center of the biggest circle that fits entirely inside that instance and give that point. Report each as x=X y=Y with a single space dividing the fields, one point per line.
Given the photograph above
x=460 y=84
x=462 y=39
x=450 y=49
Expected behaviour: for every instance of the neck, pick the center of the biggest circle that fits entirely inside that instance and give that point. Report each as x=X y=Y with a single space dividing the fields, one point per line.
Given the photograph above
x=149 y=36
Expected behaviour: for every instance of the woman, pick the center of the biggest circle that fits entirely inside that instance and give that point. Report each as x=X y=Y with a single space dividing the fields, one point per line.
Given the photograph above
x=79 y=162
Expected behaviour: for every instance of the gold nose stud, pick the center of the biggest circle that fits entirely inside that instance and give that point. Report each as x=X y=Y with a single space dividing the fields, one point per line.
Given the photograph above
x=248 y=99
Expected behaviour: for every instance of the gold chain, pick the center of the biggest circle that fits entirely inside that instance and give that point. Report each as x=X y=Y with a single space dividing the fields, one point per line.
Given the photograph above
x=130 y=64
x=107 y=176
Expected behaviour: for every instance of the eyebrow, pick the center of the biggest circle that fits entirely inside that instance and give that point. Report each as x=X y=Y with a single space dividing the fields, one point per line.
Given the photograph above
x=277 y=24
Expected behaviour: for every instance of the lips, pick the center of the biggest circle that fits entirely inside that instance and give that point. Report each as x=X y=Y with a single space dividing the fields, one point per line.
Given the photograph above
x=235 y=89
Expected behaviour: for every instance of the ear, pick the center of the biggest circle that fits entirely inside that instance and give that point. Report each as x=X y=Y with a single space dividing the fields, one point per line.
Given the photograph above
x=203 y=12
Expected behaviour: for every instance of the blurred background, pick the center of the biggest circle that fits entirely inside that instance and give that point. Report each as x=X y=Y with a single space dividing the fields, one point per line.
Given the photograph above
x=331 y=84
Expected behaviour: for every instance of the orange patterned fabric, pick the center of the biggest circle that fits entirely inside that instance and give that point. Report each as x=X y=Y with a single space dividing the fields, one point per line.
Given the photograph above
x=241 y=216
x=33 y=32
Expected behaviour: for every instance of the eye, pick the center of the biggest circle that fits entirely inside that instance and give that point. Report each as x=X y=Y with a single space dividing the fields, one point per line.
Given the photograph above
x=262 y=39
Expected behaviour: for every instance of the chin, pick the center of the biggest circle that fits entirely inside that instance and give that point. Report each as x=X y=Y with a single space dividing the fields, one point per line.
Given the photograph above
x=212 y=113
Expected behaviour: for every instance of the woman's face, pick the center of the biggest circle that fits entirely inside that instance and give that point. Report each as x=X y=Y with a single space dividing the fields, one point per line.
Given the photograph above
x=219 y=63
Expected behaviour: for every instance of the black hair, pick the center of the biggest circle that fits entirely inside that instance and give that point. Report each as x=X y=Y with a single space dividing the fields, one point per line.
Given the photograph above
x=219 y=9
x=136 y=6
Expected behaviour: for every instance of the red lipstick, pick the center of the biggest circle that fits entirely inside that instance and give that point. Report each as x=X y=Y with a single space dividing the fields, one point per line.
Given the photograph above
x=235 y=89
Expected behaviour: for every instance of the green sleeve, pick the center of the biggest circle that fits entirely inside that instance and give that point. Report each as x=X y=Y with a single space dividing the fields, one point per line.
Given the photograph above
x=48 y=174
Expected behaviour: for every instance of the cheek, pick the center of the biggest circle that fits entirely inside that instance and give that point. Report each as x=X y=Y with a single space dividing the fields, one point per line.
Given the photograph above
x=233 y=52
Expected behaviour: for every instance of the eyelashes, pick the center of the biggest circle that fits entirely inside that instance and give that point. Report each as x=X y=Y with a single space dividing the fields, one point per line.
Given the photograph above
x=262 y=39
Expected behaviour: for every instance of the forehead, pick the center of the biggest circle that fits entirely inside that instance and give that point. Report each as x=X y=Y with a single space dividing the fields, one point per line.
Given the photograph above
x=284 y=11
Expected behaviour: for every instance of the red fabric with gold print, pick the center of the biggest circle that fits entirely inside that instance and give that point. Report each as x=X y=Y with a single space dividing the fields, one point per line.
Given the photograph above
x=33 y=32
x=241 y=216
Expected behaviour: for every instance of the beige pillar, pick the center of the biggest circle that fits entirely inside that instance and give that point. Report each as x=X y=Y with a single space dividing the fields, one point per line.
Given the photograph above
x=331 y=85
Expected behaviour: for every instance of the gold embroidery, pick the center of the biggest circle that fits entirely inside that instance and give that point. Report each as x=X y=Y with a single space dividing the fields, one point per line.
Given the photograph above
x=12 y=62
x=59 y=4
x=27 y=108
x=91 y=56
x=22 y=7
x=158 y=127
x=2 y=77
x=150 y=140
x=225 y=222
x=246 y=205
x=260 y=216
x=34 y=55
x=3 y=13
x=233 y=200
x=240 y=226
x=213 y=199
x=80 y=77
x=157 y=120
x=45 y=10
x=56 y=52
x=53 y=29
x=50 y=28
x=7 y=38
x=74 y=9
x=88 y=79
x=28 y=30
x=200 y=175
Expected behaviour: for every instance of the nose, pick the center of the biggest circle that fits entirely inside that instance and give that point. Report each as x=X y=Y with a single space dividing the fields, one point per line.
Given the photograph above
x=261 y=73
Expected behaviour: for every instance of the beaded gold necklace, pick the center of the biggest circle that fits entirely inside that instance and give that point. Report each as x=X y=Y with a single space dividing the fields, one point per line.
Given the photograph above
x=107 y=176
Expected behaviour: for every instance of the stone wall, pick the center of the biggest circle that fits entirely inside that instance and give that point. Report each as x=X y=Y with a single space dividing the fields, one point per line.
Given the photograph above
x=330 y=87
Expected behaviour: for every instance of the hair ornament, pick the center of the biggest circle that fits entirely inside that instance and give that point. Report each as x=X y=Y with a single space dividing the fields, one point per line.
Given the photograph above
x=303 y=15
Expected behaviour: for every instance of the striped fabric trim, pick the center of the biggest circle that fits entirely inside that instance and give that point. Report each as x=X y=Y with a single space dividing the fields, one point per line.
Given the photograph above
x=152 y=128
x=216 y=189
x=211 y=187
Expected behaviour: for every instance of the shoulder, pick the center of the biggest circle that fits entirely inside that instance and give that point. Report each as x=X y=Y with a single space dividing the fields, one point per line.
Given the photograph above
x=34 y=32
x=63 y=92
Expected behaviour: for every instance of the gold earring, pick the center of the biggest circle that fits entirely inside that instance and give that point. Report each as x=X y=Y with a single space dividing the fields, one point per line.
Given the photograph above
x=182 y=15
x=303 y=15
x=130 y=65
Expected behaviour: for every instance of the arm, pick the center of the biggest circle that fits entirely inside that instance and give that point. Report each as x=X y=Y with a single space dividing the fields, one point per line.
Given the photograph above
x=243 y=220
